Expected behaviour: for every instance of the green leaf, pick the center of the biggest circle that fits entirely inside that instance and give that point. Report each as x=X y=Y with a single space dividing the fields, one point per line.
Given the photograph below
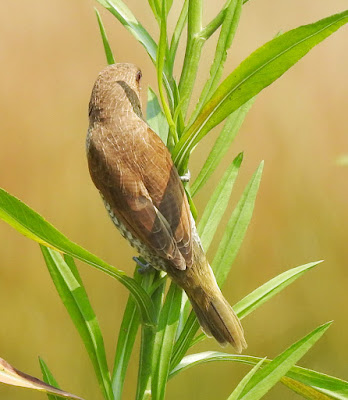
x=48 y=378
x=268 y=376
x=236 y=229
x=156 y=9
x=179 y=27
x=164 y=341
x=145 y=371
x=265 y=292
x=108 y=52
x=217 y=21
x=125 y=342
x=303 y=390
x=184 y=340
x=160 y=62
x=333 y=387
x=221 y=146
x=70 y=289
x=318 y=383
x=256 y=72
x=12 y=376
x=31 y=224
x=194 y=45
x=217 y=203
x=155 y=117
x=238 y=390
x=244 y=307
x=227 y=33
x=128 y=20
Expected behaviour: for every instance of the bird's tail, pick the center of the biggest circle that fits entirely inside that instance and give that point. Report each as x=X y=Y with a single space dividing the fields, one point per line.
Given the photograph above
x=218 y=319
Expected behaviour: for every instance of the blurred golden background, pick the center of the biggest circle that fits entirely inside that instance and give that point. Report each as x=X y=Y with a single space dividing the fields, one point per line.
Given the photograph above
x=50 y=54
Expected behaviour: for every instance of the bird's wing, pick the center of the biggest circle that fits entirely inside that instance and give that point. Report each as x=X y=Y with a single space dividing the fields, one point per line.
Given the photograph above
x=123 y=188
x=167 y=193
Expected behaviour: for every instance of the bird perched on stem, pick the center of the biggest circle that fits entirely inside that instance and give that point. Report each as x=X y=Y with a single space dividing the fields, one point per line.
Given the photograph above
x=144 y=196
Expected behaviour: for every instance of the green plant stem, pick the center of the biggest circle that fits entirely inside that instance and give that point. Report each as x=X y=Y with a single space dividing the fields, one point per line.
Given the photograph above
x=192 y=54
x=161 y=52
x=227 y=33
x=148 y=338
x=217 y=21
x=177 y=35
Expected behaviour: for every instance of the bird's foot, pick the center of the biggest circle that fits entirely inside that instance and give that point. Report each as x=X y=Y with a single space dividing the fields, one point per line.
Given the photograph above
x=186 y=177
x=144 y=267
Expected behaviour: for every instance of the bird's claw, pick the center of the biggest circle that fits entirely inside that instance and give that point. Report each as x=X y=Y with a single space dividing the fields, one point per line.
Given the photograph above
x=143 y=267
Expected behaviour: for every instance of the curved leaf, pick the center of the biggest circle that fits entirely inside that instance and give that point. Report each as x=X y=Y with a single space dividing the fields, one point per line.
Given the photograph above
x=221 y=145
x=217 y=203
x=108 y=52
x=315 y=382
x=119 y=9
x=73 y=294
x=236 y=229
x=256 y=72
x=11 y=376
x=31 y=224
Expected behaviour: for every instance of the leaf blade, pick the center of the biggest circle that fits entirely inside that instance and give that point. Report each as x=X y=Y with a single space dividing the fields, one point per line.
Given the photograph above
x=266 y=378
x=48 y=378
x=70 y=289
x=217 y=204
x=240 y=387
x=155 y=116
x=164 y=341
x=236 y=229
x=256 y=72
x=265 y=292
x=108 y=52
x=12 y=376
x=327 y=385
x=221 y=145
x=119 y=9
x=31 y=224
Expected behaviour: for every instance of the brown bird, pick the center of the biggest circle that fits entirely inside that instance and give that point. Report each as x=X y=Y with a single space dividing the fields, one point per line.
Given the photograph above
x=143 y=193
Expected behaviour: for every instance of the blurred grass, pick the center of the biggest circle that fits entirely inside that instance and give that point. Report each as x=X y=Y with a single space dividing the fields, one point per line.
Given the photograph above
x=50 y=55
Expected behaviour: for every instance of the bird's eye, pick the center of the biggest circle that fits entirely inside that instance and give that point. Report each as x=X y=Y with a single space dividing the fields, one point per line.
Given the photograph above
x=138 y=76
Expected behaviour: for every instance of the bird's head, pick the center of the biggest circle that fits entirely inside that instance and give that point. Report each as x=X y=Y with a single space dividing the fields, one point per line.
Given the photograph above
x=116 y=91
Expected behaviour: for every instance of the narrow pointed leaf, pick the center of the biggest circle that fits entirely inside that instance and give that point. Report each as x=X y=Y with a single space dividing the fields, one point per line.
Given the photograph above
x=319 y=383
x=145 y=370
x=305 y=391
x=256 y=72
x=236 y=229
x=155 y=116
x=164 y=341
x=119 y=9
x=155 y=7
x=48 y=378
x=244 y=307
x=182 y=20
x=108 y=52
x=221 y=146
x=184 y=340
x=126 y=338
x=227 y=32
x=217 y=203
x=12 y=376
x=68 y=284
x=160 y=63
x=238 y=390
x=31 y=224
x=268 y=376
x=125 y=342
x=265 y=292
